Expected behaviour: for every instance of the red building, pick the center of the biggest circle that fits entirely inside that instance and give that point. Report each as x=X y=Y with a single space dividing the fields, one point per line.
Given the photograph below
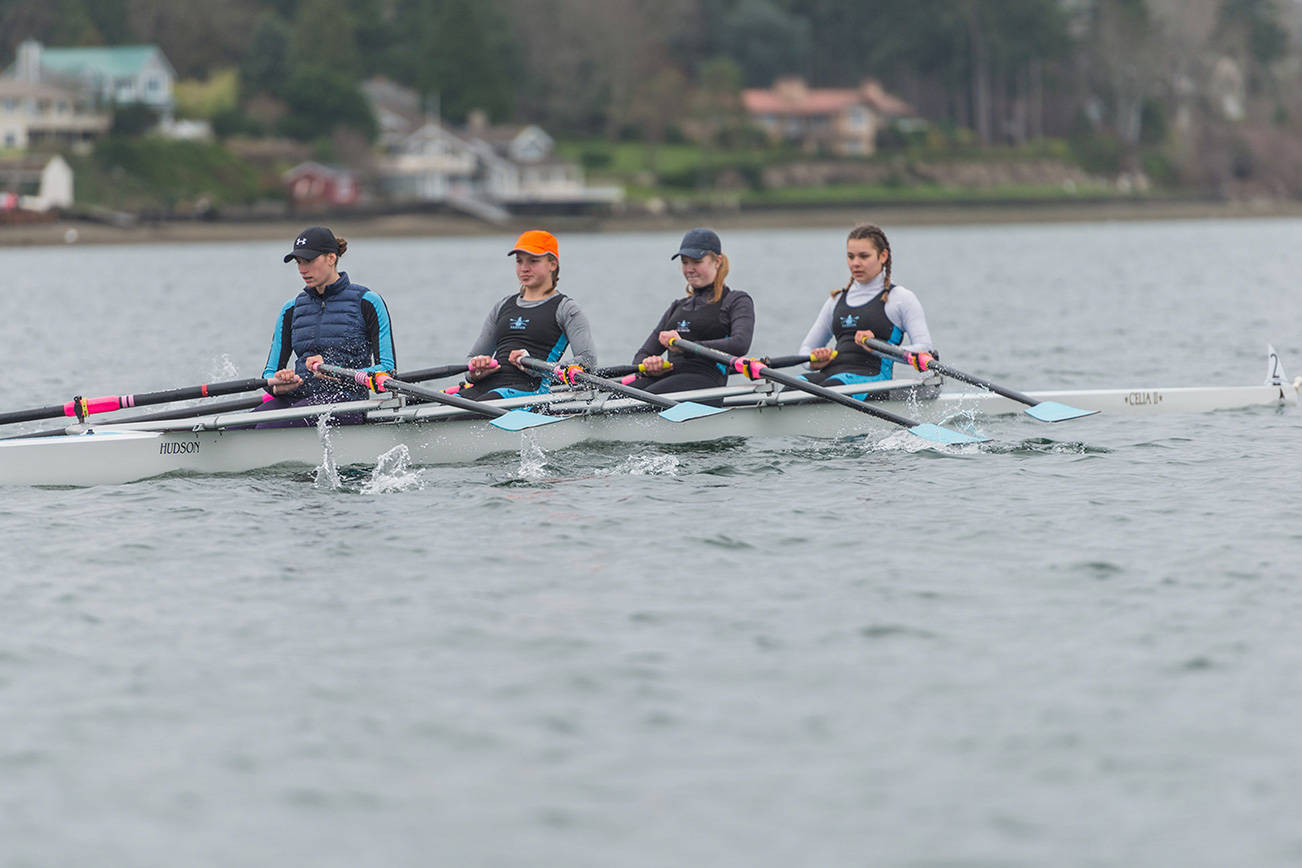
x=313 y=185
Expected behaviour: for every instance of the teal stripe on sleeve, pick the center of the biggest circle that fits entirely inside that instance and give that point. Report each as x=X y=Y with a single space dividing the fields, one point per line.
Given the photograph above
x=279 y=354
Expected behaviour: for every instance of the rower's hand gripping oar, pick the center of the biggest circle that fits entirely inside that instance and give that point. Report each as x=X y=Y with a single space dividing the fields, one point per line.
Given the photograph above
x=753 y=368
x=1045 y=411
x=675 y=411
x=507 y=420
x=82 y=407
x=632 y=372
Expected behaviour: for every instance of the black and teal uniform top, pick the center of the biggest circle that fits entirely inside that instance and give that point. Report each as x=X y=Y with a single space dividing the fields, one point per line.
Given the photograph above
x=726 y=325
x=543 y=327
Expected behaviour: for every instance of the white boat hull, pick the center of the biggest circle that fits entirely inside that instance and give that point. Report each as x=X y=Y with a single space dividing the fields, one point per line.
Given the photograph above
x=433 y=434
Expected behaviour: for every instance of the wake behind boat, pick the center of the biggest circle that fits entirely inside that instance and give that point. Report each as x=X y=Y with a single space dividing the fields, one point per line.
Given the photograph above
x=112 y=452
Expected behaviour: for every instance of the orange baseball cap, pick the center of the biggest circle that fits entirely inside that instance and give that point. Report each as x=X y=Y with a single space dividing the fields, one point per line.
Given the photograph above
x=536 y=242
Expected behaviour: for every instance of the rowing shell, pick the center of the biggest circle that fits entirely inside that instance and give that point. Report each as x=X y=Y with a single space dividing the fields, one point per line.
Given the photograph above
x=125 y=452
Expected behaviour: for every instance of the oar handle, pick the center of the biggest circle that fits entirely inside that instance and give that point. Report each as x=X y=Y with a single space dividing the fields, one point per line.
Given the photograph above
x=573 y=374
x=378 y=381
x=641 y=369
x=882 y=348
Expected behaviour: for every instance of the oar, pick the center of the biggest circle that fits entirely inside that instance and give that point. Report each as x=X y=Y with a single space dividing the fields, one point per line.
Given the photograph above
x=1045 y=411
x=675 y=411
x=507 y=420
x=755 y=368
x=82 y=407
x=182 y=413
x=632 y=372
x=438 y=373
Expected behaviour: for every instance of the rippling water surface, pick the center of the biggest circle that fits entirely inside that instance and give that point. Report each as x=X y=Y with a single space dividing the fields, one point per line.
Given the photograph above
x=1076 y=646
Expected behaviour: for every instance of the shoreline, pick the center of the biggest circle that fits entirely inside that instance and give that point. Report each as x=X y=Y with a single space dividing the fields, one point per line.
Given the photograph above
x=410 y=225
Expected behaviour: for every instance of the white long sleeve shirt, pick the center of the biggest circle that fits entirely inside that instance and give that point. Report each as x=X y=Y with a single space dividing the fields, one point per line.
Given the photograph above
x=902 y=308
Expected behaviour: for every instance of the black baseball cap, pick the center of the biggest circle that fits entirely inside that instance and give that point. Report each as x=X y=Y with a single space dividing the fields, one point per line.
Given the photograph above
x=312 y=242
x=697 y=243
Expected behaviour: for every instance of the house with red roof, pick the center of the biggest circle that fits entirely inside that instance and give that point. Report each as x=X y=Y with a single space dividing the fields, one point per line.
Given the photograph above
x=841 y=121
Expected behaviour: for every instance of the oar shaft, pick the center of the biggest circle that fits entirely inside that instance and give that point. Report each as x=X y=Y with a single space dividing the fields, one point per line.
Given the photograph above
x=230 y=406
x=786 y=361
x=758 y=368
x=882 y=348
x=438 y=373
x=576 y=373
x=380 y=382
x=80 y=407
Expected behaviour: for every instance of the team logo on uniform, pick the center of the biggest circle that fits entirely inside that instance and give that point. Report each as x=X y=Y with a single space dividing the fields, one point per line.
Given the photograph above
x=849 y=321
x=519 y=323
x=684 y=326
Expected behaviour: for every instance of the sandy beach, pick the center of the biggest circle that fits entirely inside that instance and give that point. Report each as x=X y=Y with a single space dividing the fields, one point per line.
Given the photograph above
x=69 y=232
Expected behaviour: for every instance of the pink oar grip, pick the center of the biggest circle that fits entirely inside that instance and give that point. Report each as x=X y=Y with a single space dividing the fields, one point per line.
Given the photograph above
x=104 y=404
x=108 y=403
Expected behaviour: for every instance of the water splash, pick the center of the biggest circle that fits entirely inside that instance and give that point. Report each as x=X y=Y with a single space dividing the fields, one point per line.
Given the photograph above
x=223 y=368
x=645 y=465
x=900 y=440
x=533 y=460
x=393 y=472
x=326 y=474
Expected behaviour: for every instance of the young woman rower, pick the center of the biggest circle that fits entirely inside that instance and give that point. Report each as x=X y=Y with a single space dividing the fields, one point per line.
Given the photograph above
x=536 y=320
x=711 y=314
x=869 y=306
x=332 y=320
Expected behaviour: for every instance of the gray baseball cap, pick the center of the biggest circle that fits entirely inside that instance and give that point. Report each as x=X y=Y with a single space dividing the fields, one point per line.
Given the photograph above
x=698 y=242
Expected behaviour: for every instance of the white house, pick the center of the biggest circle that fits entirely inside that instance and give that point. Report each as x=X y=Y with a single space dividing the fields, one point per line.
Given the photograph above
x=482 y=169
x=520 y=168
x=36 y=115
x=35 y=184
x=428 y=165
x=108 y=75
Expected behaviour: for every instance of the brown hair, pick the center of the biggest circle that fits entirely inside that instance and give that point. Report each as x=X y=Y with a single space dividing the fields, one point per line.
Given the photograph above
x=878 y=238
x=343 y=244
x=717 y=293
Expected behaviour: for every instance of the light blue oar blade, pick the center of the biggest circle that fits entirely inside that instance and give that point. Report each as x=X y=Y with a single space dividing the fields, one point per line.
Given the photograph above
x=518 y=420
x=1052 y=411
x=685 y=410
x=948 y=436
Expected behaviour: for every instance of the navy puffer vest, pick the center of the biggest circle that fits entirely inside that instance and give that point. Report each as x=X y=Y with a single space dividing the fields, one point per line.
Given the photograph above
x=331 y=325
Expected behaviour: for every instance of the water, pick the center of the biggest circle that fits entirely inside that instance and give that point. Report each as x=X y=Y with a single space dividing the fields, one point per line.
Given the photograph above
x=1076 y=646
